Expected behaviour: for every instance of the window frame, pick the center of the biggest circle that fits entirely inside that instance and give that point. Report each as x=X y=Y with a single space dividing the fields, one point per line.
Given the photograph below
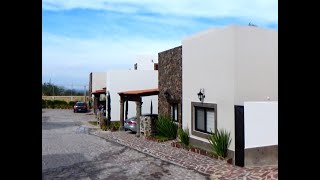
x=156 y=66
x=198 y=132
x=172 y=105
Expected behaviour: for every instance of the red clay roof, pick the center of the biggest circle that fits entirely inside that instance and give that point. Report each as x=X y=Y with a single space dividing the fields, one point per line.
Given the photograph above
x=142 y=92
x=99 y=91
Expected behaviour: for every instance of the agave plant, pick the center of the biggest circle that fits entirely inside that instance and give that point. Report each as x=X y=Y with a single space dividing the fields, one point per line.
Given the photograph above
x=184 y=136
x=220 y=141
x=165 y=127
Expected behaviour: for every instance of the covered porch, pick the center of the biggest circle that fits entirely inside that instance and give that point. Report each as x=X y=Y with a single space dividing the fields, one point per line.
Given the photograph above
x=134 y=95
x=96 y=98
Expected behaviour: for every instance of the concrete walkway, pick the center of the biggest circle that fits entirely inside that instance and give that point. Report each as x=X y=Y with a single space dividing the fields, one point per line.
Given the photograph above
x=217 y=169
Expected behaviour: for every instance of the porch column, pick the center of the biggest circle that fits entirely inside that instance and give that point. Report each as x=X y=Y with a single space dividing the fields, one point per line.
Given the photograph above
x=179 y=115
x=95 y=103
x=138 y=104
x=121 y=114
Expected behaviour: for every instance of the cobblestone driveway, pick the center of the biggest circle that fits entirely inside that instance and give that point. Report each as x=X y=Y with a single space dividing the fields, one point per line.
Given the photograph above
x=70 y=152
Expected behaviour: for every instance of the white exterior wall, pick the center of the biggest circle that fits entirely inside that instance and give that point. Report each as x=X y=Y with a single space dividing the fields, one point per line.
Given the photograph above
x=261 y=124
x=119 y=81
x=208 y=62
x=98 y=80
x=256 y=64
x=145 y=62
x=233 y=65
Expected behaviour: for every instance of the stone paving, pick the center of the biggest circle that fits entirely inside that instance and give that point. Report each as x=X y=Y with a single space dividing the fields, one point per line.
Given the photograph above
x=72 y=150
x=69 y=151
x=217 y=169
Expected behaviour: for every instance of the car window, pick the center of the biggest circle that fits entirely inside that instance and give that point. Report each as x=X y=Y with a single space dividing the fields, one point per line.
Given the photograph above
x=131 y=119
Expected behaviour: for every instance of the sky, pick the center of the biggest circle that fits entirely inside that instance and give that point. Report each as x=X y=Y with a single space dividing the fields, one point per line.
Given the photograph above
x=83 y=36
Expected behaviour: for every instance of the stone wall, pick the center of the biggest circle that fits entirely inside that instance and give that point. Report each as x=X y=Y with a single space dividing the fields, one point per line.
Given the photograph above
x=170 y=80
x=261 y=156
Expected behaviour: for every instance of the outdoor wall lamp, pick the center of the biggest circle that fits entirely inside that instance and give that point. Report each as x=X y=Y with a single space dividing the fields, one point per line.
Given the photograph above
x=201 y=95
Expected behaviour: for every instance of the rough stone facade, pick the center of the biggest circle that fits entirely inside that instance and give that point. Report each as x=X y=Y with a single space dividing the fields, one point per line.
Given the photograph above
x=147 y=125
x=170 y=81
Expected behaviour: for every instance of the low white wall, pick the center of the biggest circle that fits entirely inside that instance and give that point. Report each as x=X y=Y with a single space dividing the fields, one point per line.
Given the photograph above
x=261 y=123
x=119 y=81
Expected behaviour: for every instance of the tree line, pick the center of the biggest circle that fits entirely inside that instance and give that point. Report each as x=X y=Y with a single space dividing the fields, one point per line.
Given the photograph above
x=49 y=89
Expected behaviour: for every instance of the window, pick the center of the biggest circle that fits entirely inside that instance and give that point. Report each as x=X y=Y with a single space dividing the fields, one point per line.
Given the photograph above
x=174 y=112
x=204 y=119
x=156 y=66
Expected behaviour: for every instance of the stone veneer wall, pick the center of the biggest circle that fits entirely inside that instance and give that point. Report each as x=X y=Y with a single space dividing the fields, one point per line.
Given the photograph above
x=170 y=79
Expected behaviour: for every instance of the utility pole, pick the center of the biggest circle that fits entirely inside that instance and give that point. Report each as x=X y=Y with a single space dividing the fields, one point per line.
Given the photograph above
x=52 y=90
x=71 y=92
x=85 y=100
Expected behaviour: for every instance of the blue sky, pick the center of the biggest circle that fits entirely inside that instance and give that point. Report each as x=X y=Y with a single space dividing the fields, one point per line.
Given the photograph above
x=83 y=36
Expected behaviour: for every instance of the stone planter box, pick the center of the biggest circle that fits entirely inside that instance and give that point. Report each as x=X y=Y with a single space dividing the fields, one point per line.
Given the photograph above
x=200 y=151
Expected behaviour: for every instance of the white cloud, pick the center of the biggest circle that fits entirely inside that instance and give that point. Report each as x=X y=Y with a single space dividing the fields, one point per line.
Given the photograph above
x=74 y=58
x=259 y=10
x=61 y=52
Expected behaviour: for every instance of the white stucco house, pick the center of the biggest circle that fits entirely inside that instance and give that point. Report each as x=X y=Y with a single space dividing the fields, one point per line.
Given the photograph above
x=97 y=81
x=146 y=62
x=127 y=80
x=237 y=67
x=96 y=84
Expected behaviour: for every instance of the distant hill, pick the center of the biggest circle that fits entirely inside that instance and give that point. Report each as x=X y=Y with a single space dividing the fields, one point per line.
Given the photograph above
x=49 y=89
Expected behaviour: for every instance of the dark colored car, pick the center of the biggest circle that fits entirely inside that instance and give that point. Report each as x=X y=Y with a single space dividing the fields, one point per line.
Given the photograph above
x=131 y=123
x=80 y=107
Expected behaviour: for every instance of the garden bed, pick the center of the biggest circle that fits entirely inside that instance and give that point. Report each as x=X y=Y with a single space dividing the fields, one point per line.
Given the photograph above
x=157 y=138
x=199 y=151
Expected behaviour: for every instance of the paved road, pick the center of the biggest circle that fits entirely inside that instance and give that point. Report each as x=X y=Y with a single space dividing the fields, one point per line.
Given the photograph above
x=70 y=152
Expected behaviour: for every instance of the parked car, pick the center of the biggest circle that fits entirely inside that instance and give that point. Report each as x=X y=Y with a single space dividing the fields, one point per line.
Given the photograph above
x=131 y=123
x=80 y=107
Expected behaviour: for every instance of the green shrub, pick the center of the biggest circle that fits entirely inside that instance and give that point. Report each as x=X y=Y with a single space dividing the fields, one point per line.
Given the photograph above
x=220 y=142
x=57 y=104
x=161 y=138
x=106 y=121
x=115 y=125
x=95 y=123
x=165 y=127
x=71 y=103
x=44 y=105
x=49 y=104
x=104 y=127
x=184 y=136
